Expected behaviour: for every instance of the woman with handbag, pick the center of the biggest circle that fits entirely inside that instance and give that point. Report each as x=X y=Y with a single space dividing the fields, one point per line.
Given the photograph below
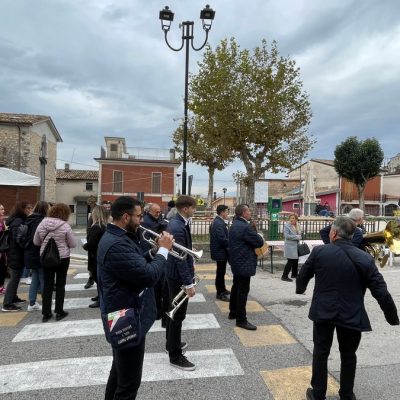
x=55 y=226
x=292 y=233
x=3 y=260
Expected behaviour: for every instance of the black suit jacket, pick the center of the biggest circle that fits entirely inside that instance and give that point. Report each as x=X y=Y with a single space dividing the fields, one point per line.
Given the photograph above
x=340 y=287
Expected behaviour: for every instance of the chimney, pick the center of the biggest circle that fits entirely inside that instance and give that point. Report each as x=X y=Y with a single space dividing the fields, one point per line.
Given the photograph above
x=66 y=168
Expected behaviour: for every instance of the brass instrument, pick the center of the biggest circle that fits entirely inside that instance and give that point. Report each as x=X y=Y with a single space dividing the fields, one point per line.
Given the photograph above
x=376 y=242
x=180 y=298
x=178 y=251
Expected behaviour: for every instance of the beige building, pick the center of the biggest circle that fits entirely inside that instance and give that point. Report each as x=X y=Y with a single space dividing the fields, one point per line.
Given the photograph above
x=78 y=189
x=21 y=137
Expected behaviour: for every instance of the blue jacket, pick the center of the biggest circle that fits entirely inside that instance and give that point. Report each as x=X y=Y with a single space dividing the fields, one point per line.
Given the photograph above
x=151 y=223
x=243 y=239
x=356 y=240
x=340 y=288
x=219 y=240
x=123 y=273
x=180 y=270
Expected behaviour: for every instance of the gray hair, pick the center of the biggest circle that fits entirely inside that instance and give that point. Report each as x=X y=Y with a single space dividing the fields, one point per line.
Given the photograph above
x=356 y=213
x=344 y=226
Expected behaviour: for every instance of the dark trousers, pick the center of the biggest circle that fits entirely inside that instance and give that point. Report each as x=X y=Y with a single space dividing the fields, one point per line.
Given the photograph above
x=238 y=299
x=3 y=268
x=60 y=275
x=174 y=327
x=161 y=293
x=126 y=373
x=220 y=277
x=12 y=286
x=348 y=340
x=291 y=265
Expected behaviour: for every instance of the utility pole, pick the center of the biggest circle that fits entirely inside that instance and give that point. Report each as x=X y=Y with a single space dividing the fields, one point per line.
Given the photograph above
x=43 y=162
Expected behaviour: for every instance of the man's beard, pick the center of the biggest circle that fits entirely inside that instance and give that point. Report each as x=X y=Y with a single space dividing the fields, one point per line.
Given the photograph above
x=131 y=227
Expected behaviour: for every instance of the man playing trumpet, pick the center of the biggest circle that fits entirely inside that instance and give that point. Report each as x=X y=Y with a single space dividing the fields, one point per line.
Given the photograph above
x=180 y=273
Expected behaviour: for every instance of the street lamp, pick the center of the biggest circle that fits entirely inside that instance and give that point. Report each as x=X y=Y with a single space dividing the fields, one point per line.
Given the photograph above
x=224 y=190
x=167 y=16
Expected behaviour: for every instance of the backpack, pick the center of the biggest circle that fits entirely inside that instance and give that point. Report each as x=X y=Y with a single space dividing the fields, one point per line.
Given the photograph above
x=50 y=257
x=22 y=238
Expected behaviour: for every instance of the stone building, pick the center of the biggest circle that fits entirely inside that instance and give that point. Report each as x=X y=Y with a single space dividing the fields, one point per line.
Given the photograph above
x=21 y=137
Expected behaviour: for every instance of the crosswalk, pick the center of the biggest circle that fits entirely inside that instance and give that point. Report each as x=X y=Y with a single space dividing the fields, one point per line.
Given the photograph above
x=74 y=354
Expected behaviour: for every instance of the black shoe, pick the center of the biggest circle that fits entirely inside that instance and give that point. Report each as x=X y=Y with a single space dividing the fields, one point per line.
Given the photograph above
x=46 y=317
x=184 y=345
x=18 y=300
x=223 y=297
x=310 y=394
x=246 y=325
x=232 y=316
x=96 y=298
x=89 y=283
x=286 y=279
x=227 y=292
x=182 y=363
x=61 y=316
x=96 y=304
x=10 y=308
x=293 y=276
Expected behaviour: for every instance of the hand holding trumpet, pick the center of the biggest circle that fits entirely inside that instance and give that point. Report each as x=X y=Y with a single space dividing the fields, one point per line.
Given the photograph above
x=191 y=292
x=165 y=240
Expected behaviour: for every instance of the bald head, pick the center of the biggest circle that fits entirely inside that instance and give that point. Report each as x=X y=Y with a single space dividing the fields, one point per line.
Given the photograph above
x=155 y=210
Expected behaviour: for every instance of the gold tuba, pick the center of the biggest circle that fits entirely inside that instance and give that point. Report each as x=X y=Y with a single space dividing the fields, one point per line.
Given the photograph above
x=376 y=242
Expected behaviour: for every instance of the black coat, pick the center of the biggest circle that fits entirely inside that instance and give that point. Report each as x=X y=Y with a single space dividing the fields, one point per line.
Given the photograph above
x=356 y=240
x=339 y=287
x=123 y=273
x=32 y=252
x=153 y=224
x=180 y=270
x=15 y=254
x=219 y=240
x=95 y=233
x=243 y=239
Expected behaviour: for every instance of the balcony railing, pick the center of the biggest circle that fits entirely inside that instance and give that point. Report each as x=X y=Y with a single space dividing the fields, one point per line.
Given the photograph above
x=377 y=197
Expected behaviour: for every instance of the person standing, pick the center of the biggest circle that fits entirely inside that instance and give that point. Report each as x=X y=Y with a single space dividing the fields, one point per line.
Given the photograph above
x=3 y=257
x=124 y=274
x=96 y=231
x=32 y=254
x=15 y=256
x=292 y=233
x=342 y=273
x=55 y=226
x=219 y=249
x=180 y=273
x=243 y=240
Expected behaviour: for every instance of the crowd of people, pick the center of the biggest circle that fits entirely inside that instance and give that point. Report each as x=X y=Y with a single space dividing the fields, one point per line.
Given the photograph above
x=135 y=273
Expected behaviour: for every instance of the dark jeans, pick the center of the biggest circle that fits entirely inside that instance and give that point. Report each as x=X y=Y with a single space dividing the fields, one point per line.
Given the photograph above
x=220 y=277
x=238 y=299
x=348 y=340
x=126 y=373
x=174 y=327
x=3 y=268
x=60 y=275
x=291 y=265
x=12 y=286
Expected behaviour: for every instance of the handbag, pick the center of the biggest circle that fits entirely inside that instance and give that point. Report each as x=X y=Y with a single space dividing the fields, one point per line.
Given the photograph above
x=4 y=240
x=303 y=249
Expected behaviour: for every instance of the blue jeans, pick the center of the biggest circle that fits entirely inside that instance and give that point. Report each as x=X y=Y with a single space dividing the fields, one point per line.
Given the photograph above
x=37 y=282
x=25 y=273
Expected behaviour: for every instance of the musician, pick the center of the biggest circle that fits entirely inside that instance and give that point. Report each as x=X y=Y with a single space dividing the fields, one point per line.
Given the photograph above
x=219 y=249
x=342 y=274
x=180 y=273
x=123 y=275
x=243 y=240
x=357 y=215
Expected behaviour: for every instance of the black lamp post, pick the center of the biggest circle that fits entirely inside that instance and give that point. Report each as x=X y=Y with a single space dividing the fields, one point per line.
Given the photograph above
x=166 y=17
x=224 y=190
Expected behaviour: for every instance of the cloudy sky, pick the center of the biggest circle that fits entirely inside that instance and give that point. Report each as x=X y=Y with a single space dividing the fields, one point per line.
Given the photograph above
x=101 y=68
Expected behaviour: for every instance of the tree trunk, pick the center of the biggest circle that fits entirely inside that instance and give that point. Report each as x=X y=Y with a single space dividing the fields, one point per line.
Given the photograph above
x=361 y=197
x=210 y=187
x=250 y=193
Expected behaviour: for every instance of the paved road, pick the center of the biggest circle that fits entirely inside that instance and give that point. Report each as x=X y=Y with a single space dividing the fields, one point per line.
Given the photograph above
x=70 y=359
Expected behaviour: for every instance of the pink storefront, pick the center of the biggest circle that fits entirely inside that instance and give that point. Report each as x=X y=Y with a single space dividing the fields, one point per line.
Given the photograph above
x=295 y=204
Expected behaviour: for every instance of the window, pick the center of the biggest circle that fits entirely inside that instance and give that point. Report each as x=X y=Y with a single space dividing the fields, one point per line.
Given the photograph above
x=72 y=208
x=156 y=182
x=113 y=147
x=89 y=186
x=296 y=206
x=117 y=181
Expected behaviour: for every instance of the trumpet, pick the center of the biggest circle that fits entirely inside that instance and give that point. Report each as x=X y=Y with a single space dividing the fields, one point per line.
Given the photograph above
x=177 y=251
x=180 y=298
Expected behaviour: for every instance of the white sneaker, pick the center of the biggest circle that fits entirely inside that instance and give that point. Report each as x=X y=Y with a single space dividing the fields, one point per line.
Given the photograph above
x=35 y=307
x=26 y=281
